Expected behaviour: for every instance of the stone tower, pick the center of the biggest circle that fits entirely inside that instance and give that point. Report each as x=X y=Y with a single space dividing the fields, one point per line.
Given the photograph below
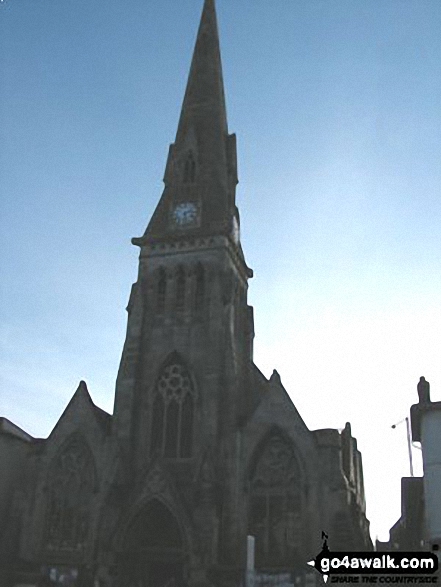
x=181 y=389
x=189 y=304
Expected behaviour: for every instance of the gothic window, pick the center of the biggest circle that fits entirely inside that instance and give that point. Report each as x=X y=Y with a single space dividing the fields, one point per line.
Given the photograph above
x=161 y=291
x=70 y=489
x=172 y=413
x=180 y=289
x=200 y=287
x=189 y=169
x=275 y=504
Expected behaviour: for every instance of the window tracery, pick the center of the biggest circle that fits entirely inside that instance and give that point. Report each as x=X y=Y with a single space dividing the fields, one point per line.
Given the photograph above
x=275 y=504
x=70 y=489
x=172 y=413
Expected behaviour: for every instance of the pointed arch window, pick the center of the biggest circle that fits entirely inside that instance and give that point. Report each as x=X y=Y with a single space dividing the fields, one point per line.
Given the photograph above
x=180 y=289
x=275 y=504
x=200 y=287
x=70 y=489
x=189 y=168
x=172 y=412
x=161 y=291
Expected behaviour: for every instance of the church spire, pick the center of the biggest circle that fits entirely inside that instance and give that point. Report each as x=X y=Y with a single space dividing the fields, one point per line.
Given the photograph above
x=201 y=171
x=204 y=101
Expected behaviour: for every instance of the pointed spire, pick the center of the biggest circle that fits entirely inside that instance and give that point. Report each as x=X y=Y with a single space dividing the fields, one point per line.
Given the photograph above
x=201 y=172
x=204 y=100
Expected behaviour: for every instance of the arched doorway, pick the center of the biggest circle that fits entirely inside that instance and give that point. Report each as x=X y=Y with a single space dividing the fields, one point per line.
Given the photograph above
x=153 y=553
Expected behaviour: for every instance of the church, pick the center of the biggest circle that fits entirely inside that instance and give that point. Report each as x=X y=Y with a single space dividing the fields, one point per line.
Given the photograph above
x=202 y=450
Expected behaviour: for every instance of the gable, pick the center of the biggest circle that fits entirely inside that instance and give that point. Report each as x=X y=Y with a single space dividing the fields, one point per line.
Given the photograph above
x=81 y=417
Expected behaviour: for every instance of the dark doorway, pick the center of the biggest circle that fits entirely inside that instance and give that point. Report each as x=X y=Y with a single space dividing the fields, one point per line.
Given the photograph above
x=153 y=554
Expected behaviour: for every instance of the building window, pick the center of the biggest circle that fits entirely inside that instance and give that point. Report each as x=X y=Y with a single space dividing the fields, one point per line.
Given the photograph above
x=200 y=287
x=70 y=489
x=275 y=504
x=172 y=413
x=180 y=289
x=161 y=292
x=189 y=169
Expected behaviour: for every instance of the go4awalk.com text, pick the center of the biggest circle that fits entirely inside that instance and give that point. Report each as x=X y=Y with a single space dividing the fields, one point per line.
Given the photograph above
x=370 y=567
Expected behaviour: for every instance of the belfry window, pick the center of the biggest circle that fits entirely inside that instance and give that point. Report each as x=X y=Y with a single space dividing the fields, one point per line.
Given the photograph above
x=161 y=291
x=275 y=504
x=189 y=169
x=172 y=413
x=200 y=287
x=70 y=489
x=180 y=289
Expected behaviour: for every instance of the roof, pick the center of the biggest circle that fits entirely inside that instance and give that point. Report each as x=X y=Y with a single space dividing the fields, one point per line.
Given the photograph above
x=9 y=428
x=104 y=419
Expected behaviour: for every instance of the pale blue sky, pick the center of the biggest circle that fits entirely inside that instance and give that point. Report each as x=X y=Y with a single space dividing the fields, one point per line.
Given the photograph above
x=337 y=109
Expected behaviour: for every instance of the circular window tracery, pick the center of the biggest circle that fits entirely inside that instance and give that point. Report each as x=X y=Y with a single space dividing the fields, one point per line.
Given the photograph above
x=174 y=383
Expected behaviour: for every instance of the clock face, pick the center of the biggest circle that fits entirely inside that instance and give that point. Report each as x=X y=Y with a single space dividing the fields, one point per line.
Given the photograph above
x=185 y=214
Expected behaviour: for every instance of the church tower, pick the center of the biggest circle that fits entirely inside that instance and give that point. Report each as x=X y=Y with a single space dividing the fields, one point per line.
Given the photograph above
x=189 y=334
x=182 y=383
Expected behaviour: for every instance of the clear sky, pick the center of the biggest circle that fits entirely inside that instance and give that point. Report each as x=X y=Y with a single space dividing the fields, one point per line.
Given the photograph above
x=337 y=109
